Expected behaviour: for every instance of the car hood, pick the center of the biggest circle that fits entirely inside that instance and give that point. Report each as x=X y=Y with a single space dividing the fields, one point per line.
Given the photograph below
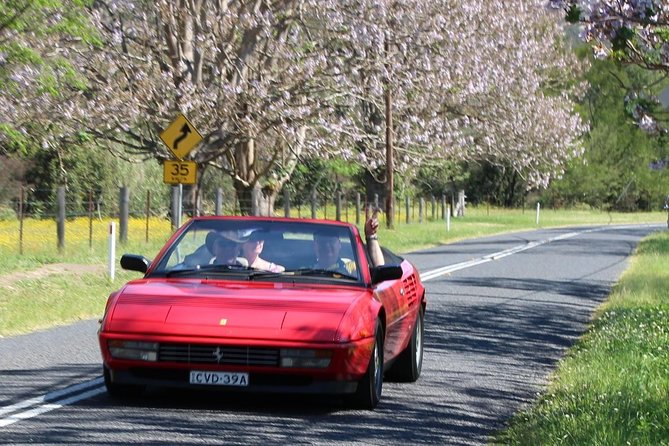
x=257 y=310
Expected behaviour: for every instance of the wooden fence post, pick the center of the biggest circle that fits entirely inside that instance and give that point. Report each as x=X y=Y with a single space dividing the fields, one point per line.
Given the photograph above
x=357 y=208
x=313 y=204
x=21 y=200
x=286 y=203
x=345 y=204
x=338 y=206
x=407 y=203
x=124 y=213
x=443 y=206
x=60 y=221
x=148 y=214
x=90 y=219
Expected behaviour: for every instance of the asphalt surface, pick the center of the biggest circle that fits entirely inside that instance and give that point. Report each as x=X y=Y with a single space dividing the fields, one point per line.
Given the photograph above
x=498 y=320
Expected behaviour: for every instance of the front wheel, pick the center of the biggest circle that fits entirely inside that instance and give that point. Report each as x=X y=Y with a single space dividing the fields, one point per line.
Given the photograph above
x=368 y=393
x=409 y=363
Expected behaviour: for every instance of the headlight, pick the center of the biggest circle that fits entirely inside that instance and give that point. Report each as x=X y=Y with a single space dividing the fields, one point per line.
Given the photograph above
x=305 y=358
x=141 y=351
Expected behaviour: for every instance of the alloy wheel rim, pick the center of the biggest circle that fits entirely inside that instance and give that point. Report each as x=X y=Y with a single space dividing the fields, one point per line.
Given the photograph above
x=378 y=371
x=419 y=342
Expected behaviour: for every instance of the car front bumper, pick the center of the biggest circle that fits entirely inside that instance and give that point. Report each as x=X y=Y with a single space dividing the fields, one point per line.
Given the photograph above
x=258 y=382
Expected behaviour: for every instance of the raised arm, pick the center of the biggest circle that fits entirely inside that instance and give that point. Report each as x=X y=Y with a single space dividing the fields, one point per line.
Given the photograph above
x=372 y=241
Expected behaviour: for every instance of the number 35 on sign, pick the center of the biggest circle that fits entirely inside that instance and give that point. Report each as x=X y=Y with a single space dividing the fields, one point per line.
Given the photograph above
x=179 y=172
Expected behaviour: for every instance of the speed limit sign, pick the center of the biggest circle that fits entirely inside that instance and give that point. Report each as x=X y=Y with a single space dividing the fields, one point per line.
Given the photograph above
x=179 y=172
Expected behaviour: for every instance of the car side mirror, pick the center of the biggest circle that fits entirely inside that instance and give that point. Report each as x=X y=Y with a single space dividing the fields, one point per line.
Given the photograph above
x=386 y=272
x=134 y=262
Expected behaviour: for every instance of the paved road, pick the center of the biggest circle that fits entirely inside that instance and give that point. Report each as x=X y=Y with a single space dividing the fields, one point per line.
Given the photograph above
x=501 y=312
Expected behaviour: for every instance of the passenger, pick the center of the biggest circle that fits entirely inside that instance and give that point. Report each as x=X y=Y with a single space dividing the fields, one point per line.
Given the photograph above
x=225 y=246
x=251 y=250
x=327 y=247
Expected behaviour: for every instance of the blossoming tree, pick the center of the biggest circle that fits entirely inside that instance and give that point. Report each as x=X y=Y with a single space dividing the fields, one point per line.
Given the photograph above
x=268 y=82
x=35 y=72
x=632 y=32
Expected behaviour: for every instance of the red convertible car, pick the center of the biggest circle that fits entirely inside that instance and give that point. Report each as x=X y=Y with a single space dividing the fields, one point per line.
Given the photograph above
x=265 y=305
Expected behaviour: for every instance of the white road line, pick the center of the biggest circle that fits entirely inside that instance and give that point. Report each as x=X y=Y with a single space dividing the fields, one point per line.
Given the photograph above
x=21 y=405
x=52 y=400
x=49 y=407
x=429 y=275
x=451 y=268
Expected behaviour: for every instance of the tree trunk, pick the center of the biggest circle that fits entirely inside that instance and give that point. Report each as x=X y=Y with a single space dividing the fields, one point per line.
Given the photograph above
x=511 y=190
x=373 y=187
x=252 y=197
x=245 y=179
x=255 y=200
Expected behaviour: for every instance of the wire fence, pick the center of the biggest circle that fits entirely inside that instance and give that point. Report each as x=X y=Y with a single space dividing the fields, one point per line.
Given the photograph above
x=77 y=224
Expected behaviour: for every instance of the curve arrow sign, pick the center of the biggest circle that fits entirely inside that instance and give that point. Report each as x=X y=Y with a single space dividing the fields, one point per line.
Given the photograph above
x=185 y=131
x=181 y=137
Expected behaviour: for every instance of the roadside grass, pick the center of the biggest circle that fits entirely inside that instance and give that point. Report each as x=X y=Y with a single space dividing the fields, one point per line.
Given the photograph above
x=83 y=244
x=29 y=305
x=612 y=388
x=481 y=221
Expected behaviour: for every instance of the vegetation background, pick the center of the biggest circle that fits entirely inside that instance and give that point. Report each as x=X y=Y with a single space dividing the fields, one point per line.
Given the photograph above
x=622 y=169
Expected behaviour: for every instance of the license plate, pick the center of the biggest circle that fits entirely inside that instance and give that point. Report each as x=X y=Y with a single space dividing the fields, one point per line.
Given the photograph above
x=219 y=378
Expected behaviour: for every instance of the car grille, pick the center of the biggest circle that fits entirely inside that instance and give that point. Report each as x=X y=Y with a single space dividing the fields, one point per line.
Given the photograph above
x=215 y=354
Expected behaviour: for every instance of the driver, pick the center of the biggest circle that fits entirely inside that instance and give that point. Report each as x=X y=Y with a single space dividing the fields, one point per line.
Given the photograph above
x=225 y=246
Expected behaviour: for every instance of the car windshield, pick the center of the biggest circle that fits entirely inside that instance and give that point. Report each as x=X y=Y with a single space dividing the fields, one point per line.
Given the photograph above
x=262 y=249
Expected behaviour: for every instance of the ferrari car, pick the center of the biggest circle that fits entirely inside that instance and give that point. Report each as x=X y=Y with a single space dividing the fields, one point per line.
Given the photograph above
x=251 y=304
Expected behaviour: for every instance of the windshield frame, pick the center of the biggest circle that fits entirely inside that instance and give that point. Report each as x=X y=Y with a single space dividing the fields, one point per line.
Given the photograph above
x=295 y=237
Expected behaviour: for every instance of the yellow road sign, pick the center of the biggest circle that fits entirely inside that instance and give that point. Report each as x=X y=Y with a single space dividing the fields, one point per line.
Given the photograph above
x=180 y=172
x=181 y=137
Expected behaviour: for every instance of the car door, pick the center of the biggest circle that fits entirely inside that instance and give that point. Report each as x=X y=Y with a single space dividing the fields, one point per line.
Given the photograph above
x=400 y=301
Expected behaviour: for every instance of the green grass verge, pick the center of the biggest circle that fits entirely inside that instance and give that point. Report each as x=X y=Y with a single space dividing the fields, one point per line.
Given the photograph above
x=29 y=305
x=613 y=387
x=482 y=221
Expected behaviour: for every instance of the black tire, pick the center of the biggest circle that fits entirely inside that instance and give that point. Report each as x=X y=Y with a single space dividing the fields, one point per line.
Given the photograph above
x=368 y=393
x=409 y=363
x=120 y=390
